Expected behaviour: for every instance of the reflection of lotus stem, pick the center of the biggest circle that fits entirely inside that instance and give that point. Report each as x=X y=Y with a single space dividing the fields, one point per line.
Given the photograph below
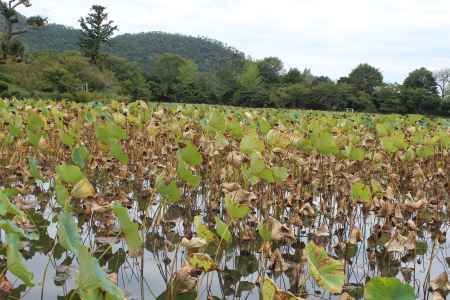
x=44 y=276
x=426 y=284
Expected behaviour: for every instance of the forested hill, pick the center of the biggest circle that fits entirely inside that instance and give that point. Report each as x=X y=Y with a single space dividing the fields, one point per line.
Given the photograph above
x=141 y=48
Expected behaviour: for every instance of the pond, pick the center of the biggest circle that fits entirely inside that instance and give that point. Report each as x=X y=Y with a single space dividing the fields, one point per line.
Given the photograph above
x=178 y=202
x=242 y=263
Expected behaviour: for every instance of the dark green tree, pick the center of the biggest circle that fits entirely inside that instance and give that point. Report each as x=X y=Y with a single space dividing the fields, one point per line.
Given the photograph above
x=270 y=69
x=176 y=77
x=419 y=101
x=293 y=76
x=387 y=99
x=251 y=91
x=365 y=78
x=422 y=79
x=13 y=27
x=321 y=79
x=96 y=30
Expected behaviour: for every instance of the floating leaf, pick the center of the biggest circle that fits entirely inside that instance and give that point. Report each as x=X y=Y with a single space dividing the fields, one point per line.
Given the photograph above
x=83 y=189
x=194 y=243
x=202 y=230
x=325 y=144
x=217 y=121
x=118 y=153
x=80 y=155
x=356 y=154
x=69 y=173
x=235 y=210
x=190 y=155
x=202 y=261
x=170 y=192
x=328 y=272
x=270 y=291
x=280 y=174
x=251 y=143
x=361 y=192
x=388 y=289
x=187 y=176
x=425 y=151
x=67 y=139
x=11 y=228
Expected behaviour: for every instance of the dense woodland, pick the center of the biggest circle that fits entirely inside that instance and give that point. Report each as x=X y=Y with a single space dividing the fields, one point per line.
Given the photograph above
x=46 y=62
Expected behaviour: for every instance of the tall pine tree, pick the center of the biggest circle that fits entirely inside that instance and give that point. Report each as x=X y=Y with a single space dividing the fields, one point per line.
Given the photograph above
x=96 y=30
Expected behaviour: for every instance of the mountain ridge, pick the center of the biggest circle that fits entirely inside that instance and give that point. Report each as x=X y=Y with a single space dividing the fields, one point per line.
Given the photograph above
x=141 y=48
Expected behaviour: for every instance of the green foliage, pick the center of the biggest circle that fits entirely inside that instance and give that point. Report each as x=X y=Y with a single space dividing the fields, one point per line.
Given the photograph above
x=68 y=235
x=251 y=143
x=92 y=280
x=328 y=272
x=250 y=86
x=80 y=155
x=190 y=155
x=62 y=195
x=235 y=210
x=419 y=100
x=202 y=230
x=389 y=289
x=361 y=192
x=186 y=175
x=270 y=69
x=186 y=69
x=264 y=232
x=169 y=192
x=324 y=143
x=16 y=262
x=33 y=168
x=69 y=173
x=7 y=208
x=141 y=48
x=96 y=30
x=280 y=173
x=202 y=261
x=421 y=79
x=223 y=231
x=365 y=78
x=129 y=229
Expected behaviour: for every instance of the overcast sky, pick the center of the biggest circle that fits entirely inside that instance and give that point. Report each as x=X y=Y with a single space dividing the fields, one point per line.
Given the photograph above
x=330 y=37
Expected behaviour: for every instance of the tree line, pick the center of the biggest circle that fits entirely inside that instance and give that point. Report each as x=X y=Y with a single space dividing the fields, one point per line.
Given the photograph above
x=91 y=74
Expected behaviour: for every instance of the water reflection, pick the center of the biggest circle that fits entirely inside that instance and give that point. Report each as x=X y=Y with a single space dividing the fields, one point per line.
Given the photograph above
x=242 y=264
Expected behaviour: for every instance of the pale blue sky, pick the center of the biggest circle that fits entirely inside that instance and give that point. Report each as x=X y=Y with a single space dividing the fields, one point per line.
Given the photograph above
x=330 y=37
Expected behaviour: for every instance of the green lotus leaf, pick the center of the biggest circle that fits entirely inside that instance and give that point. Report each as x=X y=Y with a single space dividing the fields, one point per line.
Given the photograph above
x=326 y=271
x=388 y=289
x=129 y=229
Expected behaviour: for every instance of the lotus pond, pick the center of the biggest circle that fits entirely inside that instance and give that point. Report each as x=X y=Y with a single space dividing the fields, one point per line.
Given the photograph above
x=149 y=201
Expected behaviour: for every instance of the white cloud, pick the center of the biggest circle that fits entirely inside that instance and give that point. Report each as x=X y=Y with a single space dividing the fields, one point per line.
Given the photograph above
x=330 y=37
